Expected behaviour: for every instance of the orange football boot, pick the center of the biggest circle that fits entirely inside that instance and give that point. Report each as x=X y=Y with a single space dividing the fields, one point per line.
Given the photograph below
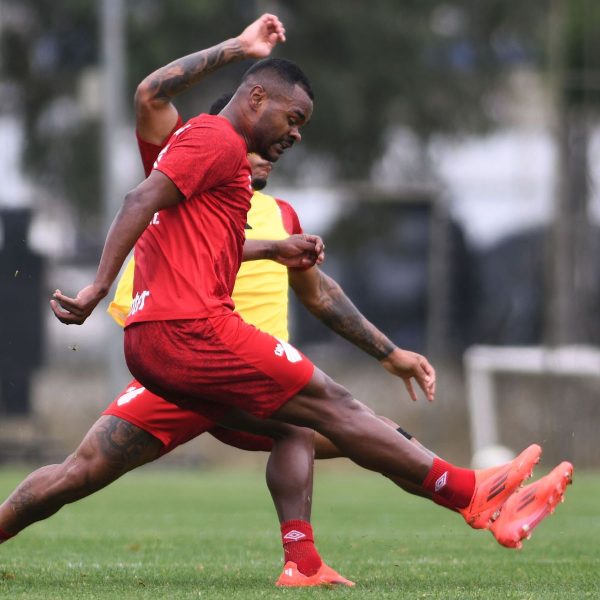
x=291 y=577
x=529 y=506
x=494 y=486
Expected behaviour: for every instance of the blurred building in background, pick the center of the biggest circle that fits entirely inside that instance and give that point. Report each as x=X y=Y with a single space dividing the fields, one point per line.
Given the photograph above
x=22 y=331
x=452 y=165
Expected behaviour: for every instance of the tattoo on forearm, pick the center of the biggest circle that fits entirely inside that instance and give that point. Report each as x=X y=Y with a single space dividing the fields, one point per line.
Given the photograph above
x=337 y=312
x=185 y=72
x=122 y=443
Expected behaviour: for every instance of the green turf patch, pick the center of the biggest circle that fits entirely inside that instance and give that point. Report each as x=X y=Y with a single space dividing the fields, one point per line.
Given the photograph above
x=171 y=535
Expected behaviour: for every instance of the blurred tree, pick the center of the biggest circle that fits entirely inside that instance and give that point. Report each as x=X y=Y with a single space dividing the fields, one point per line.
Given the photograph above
x=427 y=64
x=50 y=79
x=45 y=48
x=572 y=282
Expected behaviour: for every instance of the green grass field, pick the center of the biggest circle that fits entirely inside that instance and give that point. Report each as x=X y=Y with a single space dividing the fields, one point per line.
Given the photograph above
x=169 y=535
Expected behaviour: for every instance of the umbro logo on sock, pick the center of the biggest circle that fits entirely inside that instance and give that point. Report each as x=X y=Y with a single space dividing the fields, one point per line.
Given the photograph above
x=293 y=535
x=441 y=481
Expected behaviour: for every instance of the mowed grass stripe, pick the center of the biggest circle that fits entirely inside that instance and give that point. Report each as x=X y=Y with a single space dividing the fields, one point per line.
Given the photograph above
x=189 y=534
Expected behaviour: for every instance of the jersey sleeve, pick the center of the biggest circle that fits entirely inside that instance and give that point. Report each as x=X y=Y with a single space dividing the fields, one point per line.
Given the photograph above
x=149 y=152
x=291 y=222
x=197 y=159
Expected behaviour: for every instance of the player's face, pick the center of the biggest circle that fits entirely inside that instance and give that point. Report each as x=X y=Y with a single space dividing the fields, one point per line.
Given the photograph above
x=278 y=127
x=261 y=169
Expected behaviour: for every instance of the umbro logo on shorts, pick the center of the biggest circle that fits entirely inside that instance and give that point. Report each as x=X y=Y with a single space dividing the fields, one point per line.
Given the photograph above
x=129 y=395
x=290 y=352
x=293 y=535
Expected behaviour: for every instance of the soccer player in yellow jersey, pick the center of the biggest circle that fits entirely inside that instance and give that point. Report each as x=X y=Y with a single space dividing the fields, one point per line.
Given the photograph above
x=139 y=427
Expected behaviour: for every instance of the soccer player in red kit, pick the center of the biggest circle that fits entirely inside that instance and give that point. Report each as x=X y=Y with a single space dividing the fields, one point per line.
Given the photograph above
x=184 y=342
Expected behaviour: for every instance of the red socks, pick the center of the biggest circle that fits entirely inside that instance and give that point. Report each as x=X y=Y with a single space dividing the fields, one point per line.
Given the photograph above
x=299 y=546
x=4 y=535
x=450 y=486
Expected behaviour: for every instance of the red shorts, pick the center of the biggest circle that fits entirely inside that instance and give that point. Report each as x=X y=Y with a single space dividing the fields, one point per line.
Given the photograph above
x=215 y=364
x=173 y=425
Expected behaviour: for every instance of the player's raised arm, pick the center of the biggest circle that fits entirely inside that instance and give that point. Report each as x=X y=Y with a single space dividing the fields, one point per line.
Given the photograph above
x=327 y=301
x=155 y=114
x=140 y=205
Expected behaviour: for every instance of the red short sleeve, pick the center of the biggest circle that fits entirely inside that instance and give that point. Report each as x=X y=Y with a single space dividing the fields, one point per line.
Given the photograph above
x=199 y=158
x=149 y=152
x=291 y=222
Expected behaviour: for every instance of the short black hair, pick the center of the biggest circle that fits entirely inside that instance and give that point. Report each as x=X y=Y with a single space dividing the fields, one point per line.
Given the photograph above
x=220 y=103
x=285 y=70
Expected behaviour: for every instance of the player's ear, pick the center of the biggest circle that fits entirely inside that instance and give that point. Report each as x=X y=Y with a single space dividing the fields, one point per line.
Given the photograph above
x=257 y=97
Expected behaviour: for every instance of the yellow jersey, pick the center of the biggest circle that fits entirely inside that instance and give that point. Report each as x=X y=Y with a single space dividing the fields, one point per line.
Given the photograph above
x=261 y=287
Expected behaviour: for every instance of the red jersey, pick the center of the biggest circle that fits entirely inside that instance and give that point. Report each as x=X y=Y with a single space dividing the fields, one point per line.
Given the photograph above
x=188 y=257
x=149 y=152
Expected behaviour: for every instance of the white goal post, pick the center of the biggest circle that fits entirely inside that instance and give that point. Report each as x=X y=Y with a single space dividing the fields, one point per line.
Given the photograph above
x=482 y=363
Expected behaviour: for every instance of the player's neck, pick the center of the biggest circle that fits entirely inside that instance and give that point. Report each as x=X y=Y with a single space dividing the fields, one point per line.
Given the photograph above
x=239 y=123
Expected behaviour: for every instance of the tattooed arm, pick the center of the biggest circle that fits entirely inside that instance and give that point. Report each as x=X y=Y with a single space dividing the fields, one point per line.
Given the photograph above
x=155 y=114
x=327 y=301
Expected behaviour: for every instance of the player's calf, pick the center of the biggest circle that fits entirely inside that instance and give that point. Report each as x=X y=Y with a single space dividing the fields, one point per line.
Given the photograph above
x=29 y=502
x=110 y=448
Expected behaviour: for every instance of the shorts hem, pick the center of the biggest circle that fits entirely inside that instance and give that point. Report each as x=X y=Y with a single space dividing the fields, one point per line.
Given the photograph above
x=292 y=392
x=161 y=438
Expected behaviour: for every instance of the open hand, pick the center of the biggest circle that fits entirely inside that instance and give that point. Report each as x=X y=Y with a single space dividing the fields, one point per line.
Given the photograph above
x=408 y=366
x=74 y=311
x=260 y=37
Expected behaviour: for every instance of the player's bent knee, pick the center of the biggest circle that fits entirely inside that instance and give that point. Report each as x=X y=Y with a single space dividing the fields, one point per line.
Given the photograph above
x=338 y=398
x=331 y=391
x=339 y=406
x=321 y=405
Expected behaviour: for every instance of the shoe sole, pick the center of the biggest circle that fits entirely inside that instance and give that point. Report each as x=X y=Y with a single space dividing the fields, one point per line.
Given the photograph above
x=325 y=577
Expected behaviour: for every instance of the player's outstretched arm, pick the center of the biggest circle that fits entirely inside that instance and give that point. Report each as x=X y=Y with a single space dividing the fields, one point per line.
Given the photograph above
x=297 y=251
x=155 y=114
x=327 y=301
x=153 y=194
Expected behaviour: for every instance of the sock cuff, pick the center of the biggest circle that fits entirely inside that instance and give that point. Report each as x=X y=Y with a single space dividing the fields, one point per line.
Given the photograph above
x=450 y=486
x=438 y=468
x=296 y=530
